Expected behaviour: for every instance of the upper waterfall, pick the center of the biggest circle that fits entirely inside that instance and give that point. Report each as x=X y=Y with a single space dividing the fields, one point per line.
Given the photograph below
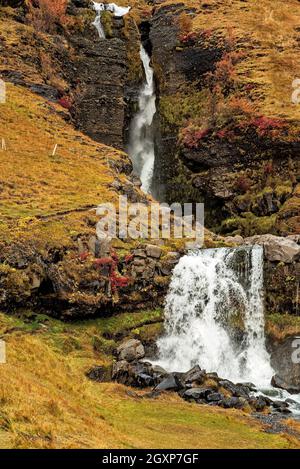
x=141 y=139
x=211 y=293
x=113 y=8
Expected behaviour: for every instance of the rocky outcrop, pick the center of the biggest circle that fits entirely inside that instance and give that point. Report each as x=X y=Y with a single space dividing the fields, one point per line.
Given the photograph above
x=276 y=248
x=104 y=90
x=222 y=136
x=12 y=3
x=99 y=105
x=281 y=270
x=285 y=359
x=195 y=386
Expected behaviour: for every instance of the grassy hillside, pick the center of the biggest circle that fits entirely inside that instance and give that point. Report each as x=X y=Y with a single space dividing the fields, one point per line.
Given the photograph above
x=47 y=402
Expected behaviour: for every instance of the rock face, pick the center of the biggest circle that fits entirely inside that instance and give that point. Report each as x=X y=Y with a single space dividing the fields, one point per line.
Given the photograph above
x=12 y=3
x=99 y=106
x=281 y=270
x=285 y=359
x=277 y=248
x=222 y=135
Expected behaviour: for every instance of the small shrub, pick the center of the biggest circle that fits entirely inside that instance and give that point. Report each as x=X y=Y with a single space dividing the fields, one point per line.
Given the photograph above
x=192 y=135
x=242 y=184
x=268 y=126
x=47 y=15
x=268 y=168
x=66 y=102
x=185 y=23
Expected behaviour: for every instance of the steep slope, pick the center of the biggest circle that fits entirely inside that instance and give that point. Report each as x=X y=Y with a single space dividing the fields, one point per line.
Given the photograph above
x=229 y=129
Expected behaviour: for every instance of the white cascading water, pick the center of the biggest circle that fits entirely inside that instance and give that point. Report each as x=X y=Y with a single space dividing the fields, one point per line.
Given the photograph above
x=141 y=139
x=113 y=8
x=209 y=292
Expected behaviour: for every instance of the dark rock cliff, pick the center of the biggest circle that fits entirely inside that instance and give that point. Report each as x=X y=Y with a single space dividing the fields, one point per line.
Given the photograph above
x=224 y=138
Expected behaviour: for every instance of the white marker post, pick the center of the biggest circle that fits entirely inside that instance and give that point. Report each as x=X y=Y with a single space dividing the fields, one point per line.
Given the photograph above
x=2 y=92
x=2 y=352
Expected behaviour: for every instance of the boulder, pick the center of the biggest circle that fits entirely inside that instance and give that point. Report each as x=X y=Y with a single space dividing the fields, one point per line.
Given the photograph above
x=97 y=373
x=136 y=374
x=280 y=383
x=169 y=383
x=233 y=403
x=195 y=375
x=281 y=406
x=285 y=360
x=237 y=390
x=139 y=253
x=153 y=251
x=215 y=397
x=194 y=394
x=276 y=248
x=131 y=350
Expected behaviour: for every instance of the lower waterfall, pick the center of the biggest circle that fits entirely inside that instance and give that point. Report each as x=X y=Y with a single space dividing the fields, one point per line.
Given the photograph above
x=215 y=315
x=141 y=138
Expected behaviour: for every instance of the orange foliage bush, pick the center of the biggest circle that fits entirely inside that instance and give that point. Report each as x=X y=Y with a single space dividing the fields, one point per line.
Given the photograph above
x=185 y=23
x=47 y=15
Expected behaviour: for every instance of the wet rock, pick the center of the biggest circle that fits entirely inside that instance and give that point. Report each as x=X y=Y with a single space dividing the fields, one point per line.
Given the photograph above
x=233 y=403
x=195 y=375
x=215 y=397
x=281 y=406
x=131 y=350
x=235 y=390
x=276 y=248
x=159 y=373
x=285 y=359
x=278 y=382
x=169 y=383
x=248 y=386
x=259 y=403
x=195 y=394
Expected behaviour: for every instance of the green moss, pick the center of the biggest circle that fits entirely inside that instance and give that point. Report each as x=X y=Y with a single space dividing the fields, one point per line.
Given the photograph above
x=107 y=23
x=177 y=108
x=249 y=224
x=148 y=333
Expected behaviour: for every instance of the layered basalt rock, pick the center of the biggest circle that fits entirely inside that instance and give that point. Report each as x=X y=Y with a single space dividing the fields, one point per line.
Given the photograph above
x=225 y=139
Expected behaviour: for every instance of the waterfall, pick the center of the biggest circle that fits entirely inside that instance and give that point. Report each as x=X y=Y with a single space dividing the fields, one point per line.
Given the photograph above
x=211 y=293
x=113 y=8
x=141 y=139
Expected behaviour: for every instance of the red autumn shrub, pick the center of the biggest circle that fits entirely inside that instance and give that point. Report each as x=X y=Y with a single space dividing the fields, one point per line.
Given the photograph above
x=83 y=256
x=128 y=258
x=268 y=168
x=188 y=38
x=65 y=102
x=192 y=135
x=226 y=134
x=266 y=125
x=47 y=15
x=243 y=184
x=116 y=280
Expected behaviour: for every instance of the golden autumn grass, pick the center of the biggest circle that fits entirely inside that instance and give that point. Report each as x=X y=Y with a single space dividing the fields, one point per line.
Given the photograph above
x=44 y=196
x=267 y=32
x=47 y=402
